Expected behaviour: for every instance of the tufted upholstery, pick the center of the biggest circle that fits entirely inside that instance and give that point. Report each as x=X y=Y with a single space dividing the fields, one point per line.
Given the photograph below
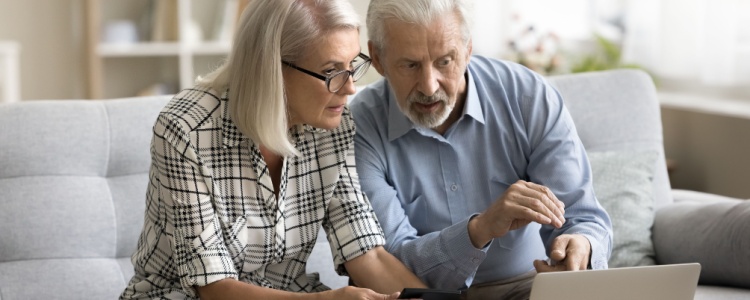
x=73 y=176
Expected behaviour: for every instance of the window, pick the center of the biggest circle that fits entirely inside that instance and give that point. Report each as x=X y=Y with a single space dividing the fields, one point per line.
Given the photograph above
x=688 y=44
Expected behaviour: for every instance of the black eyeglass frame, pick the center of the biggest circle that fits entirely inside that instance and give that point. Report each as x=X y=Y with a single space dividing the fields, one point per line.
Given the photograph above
x=366 y=64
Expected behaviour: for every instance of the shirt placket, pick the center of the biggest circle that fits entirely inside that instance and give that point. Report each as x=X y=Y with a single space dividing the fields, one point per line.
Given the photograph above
x=274 y=207
x=280 y=226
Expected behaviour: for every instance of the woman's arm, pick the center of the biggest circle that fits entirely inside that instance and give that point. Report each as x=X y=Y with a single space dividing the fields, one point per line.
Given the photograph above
x=379 y=270
x=233 y=289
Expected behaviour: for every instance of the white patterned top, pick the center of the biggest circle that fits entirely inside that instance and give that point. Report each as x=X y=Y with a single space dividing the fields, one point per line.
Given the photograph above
x=211 y=211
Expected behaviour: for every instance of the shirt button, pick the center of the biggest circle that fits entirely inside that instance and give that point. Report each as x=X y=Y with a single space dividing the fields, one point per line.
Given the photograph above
x=474 y=260
x=454 y=187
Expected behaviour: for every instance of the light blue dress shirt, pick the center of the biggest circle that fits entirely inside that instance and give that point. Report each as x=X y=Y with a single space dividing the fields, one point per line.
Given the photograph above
x=424 y=187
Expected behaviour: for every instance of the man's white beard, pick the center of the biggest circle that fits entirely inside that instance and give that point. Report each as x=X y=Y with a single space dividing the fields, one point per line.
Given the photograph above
x=428 y=120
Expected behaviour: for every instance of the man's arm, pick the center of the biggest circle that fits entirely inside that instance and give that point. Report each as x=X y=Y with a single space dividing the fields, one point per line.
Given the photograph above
x=558 y=161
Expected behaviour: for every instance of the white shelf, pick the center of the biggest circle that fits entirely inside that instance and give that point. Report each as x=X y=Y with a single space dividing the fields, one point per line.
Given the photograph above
x=139 y=49
x=210 y=48
x=191 y=56
x=161 y=49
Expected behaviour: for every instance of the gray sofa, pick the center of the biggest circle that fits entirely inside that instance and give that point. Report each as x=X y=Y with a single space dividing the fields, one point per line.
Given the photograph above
x=73 y=176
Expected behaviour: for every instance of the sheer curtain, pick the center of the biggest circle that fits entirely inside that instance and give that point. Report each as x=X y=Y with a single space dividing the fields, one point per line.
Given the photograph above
x=692 y=40
x=557 y=25
x=703 y=41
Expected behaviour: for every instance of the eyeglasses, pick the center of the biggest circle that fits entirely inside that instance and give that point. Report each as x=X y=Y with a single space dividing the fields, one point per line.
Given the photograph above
x=336 y=81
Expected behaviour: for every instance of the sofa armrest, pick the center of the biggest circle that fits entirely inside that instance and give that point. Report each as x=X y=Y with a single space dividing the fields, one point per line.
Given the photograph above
x=709 y=229
x=694 y=196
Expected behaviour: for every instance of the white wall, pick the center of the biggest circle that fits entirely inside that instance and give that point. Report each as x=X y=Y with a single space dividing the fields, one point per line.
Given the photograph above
x=50 y=33
x=712 y=152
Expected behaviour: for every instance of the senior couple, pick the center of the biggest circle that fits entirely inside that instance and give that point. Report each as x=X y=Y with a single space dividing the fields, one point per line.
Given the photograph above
x=468 y=174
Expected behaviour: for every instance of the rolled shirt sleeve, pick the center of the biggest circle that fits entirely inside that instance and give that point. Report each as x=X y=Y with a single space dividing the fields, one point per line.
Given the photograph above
x=196 y=236
x=351 y=226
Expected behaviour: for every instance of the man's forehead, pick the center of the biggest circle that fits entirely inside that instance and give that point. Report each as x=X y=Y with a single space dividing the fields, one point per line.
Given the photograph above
x=443 y=30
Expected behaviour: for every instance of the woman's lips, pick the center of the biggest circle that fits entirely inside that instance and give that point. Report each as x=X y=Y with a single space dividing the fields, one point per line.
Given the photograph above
x=336 y=109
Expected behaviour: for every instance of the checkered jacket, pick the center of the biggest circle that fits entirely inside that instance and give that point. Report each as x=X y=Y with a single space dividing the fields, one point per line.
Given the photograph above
x=211 y=211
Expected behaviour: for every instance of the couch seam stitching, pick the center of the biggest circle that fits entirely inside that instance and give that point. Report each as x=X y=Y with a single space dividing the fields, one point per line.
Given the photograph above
x=106 y=172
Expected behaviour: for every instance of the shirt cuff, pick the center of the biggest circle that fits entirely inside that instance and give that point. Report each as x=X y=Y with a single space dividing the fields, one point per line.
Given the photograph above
x=206 y=260
x=467 y=258
x=204 y=269
x=599 y=257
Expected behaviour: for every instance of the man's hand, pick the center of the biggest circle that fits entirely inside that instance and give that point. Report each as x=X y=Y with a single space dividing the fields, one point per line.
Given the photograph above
x=522 y=203
x=570 y=252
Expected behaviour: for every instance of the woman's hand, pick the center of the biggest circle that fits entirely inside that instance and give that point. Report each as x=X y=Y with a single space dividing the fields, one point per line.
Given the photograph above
x=355 y=293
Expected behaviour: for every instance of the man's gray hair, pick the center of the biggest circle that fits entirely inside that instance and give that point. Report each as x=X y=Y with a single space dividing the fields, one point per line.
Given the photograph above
x=268 y=32
x=418 y=12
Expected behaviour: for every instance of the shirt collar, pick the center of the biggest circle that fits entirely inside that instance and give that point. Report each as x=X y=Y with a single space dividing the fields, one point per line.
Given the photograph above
x=399 y=124
x=473 y=107
x=231 y=135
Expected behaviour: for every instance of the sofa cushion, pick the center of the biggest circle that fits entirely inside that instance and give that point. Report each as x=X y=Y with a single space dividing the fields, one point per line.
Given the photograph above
x=617 y=110
x=56 y=217
x=709 y=292
x=623 y=185
x=61 y=279
x=716 y=235
x=53 y=138
x=73 y=176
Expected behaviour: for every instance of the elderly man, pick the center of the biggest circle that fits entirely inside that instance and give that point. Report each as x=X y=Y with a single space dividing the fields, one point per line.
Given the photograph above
x=473 y=165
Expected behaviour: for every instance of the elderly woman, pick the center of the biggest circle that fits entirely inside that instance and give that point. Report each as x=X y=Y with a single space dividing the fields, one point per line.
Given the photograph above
x=252 y=161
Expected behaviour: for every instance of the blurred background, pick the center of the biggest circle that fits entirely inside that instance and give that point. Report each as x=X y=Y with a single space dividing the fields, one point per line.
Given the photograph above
x=697 y=52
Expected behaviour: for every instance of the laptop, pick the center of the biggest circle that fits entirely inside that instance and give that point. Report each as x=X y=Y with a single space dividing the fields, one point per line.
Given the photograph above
x=662 y=282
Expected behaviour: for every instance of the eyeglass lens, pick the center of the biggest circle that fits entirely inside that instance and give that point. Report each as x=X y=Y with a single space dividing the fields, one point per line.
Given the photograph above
x=339 y=80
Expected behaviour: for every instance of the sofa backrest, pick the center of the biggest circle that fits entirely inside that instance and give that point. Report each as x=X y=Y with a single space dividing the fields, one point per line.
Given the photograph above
x=618 y=110
x=73 y=176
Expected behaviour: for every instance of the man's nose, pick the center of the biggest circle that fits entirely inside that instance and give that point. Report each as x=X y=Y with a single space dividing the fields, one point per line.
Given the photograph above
x=428 y=82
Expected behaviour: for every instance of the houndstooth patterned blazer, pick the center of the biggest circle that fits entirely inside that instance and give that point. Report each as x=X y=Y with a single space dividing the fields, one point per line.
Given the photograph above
x=211 y=211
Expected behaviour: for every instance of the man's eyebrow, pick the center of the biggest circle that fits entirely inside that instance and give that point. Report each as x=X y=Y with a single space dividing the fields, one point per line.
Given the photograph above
x=452 y=52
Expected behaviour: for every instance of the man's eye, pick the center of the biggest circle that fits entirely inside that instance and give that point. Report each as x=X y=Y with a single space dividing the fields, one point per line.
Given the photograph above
x=329 y=71
x=444 y=62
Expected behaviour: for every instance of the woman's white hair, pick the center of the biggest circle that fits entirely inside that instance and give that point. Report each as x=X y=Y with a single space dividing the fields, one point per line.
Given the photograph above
x=268 y=32
x=418 y=12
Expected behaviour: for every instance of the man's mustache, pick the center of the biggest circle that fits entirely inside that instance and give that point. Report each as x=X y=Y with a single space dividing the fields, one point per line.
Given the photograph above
x=420 y=98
